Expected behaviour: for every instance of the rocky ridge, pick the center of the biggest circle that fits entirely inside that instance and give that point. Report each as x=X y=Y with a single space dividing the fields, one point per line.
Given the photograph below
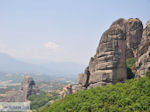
x=124 y=39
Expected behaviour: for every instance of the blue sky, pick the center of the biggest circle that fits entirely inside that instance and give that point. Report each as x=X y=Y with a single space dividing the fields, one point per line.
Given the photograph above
x=61 y=30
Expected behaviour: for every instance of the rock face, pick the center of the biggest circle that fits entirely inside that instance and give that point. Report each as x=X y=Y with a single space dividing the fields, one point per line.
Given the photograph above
x=143 y=64
x=143 y=54
x=83 y=79
x=27 y=88
x=134 y=30
x=108 y=66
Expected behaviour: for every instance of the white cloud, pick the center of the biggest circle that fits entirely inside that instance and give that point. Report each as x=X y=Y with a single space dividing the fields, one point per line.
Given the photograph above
x=51 y=45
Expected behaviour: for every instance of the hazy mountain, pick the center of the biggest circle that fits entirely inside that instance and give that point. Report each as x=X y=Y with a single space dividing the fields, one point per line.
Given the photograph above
x=10 y=64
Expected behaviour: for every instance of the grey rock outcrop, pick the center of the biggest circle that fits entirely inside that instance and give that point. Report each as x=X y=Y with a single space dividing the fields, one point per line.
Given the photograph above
x=108 y=66
x=143 y=54
x=83 y=79
x=77 y=87
x=70 y=89
x=27 y=88
x=143 y=64
x=145 y=42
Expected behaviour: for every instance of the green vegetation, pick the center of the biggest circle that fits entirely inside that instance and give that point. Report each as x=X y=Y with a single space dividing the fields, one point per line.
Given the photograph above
x=41 y=99
x=130 y=68
x=132 y=96
x=130 y=62
x=148 y=74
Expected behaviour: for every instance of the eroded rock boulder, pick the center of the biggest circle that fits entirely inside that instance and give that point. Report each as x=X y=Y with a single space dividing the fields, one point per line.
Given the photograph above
x=66 y=91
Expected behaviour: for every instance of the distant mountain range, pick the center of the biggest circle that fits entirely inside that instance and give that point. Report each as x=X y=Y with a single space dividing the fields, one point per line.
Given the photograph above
x=10 y=64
